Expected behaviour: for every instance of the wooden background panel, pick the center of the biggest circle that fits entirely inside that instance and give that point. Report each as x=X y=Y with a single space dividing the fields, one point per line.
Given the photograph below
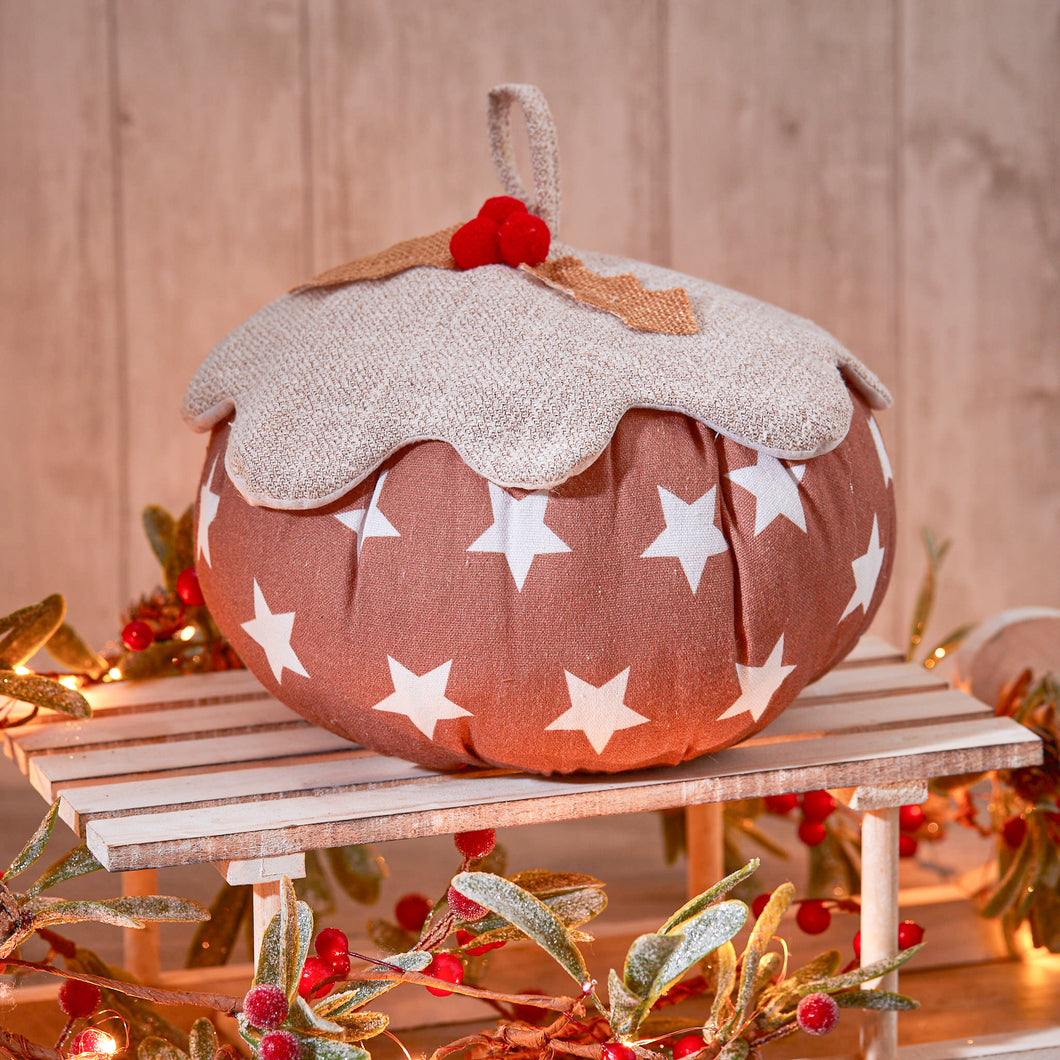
x=782 y=135
x=399 y=104
x=981 y=265
x=888 y=169
x=213 y=217
x=59 y=350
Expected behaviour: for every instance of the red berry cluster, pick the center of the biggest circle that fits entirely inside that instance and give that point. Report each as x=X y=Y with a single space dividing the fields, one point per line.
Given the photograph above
x=265 y=1006
x=817 y=807
x=910 y=933
x=332 y=959
x=140 y=635
x=502 y=233
x=910 y=820
x=279 y=1045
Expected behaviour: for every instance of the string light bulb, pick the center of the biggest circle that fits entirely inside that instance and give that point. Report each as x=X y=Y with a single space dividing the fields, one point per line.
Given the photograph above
x=92 y=1043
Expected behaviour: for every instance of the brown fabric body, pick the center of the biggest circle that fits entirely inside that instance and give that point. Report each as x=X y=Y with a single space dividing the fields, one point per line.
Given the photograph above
x=423 y=599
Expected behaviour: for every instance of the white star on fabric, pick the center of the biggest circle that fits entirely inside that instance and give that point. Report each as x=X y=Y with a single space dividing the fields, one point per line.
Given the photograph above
x=208 y=502
x=598 y=712
x=690 y=533
x=881 y=452
x=421 y=697
x=758 y=684
x=866 y=573
x=519 y=531
x=775 y=489
x=273 y=633
x=370 y=521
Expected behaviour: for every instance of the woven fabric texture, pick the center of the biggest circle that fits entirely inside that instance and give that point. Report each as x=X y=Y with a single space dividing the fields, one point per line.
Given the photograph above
x=667 y=602
x=525 y=384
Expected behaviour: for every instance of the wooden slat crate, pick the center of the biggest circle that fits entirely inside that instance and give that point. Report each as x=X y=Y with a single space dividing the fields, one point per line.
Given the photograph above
x=213 y=768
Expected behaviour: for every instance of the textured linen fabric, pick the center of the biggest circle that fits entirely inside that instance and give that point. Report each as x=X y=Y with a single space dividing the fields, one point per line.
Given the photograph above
x=669 y=600
x=526 y=384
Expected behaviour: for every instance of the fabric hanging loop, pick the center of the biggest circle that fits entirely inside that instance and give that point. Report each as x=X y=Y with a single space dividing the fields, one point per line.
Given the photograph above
x=544 y=149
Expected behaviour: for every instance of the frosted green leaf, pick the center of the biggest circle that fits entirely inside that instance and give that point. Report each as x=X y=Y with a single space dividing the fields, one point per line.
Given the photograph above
x=527 y=913
x=541 y=882
x=160 y=528
x=859 y=975
x=645 y=961
x=35 y=846
x=157 y=1049
x=161 y=907
x=571 y=907
x=879 y=1000
x=724 y=980
x=335 y=1006
x=78 y=862
x=202 y=1041
x=359 y=871
x=44 y=692
x=303 y=1018
x=356 y=1026
x=761 y=935
x=768 y=966
x=69 y=650
x=624 y=1003
x=329 y=1049
x=708 y=897
x=47 y=911
x=735 y=1050
x=28 y=629
x=786 y=994
x=1013 y=882
x=183 y=553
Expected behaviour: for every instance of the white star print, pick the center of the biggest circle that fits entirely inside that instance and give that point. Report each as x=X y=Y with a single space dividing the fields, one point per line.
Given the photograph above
x=758 y=684
x=775 y=489
x=519 y=531
x=208 y=502
x=690 y=533
x=421 y=697
x=598 y=712
x=370 y=521
x=881 y=452
x=273 y=633
x=866 y=573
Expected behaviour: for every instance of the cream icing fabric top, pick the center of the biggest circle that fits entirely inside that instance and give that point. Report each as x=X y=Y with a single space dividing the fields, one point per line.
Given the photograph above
x=527 y=384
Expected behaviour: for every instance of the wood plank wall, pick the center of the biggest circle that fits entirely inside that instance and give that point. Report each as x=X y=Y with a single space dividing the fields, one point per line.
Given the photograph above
x=889 y=168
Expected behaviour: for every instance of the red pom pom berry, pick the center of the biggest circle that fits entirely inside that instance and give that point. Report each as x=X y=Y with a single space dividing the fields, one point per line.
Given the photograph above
x=265 y=1006
x=476 y=244
x=501 y=207
x=476 y=845
x=813 y=917
x=686 y=1046
x=812 y=833
x=524 y=239
x=448 y=968
x=910 y=933
x=78 y=999
x=137 y=636
x=911 y=818
x=907 y=846
x=313 y=971
x=464 y=907
x=781 y=804
x=188 y=588
x=759 y=904
x=617 y=1051
x=817 y=805
x=412 y=911
x=817 y=1013
x=279 y=1045
x=331 y=943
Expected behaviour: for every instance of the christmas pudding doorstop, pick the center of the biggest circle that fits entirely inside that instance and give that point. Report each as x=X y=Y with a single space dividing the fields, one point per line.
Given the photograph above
x=486 y=499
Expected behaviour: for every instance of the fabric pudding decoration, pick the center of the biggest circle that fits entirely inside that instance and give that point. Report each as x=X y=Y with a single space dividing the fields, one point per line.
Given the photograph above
x=571 y=514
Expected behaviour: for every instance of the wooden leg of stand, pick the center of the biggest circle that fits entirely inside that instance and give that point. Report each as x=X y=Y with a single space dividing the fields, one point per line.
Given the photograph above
x=706 y=846
x=879 y=921
x=266 y=906
x=140 y=946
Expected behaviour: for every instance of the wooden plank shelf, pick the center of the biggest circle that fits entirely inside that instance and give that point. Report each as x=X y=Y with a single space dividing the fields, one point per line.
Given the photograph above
x=213 y=768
